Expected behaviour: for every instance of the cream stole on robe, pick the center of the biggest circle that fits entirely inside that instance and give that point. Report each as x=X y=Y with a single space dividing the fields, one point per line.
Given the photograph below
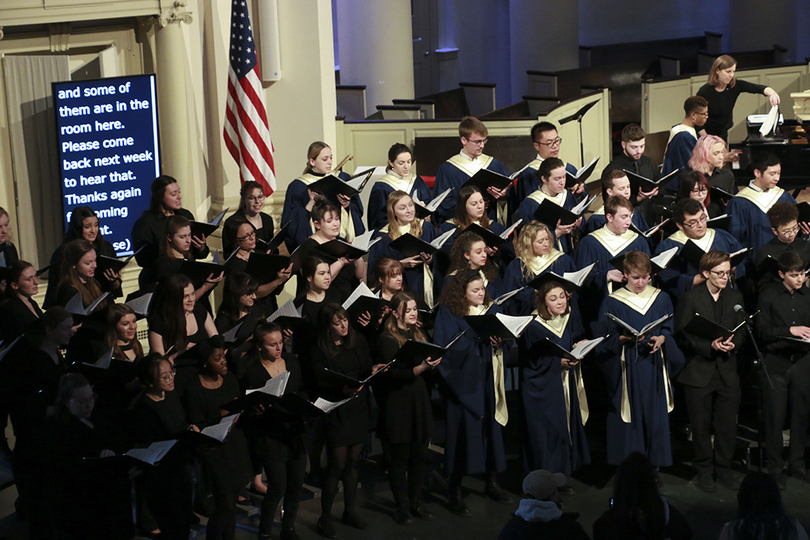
x=680 y=128
x=501 y=412
x=641 y=303
x=559 y=199
x=557 y=327
x=613 y=243
x=704 y=243
x=427 y=273
x=472 y=166
x=346 y=222
x=401 y=183
x=763 y=199
x=537 y=265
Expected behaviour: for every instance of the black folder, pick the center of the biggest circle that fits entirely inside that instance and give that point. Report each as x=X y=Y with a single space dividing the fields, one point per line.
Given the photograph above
x=265 y=268
x=702 y=327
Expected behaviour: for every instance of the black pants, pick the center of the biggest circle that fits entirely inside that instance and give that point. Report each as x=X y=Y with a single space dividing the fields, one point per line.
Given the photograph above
x=407 y=470
x=791 y=384
x=713 y=409
x=285 y=479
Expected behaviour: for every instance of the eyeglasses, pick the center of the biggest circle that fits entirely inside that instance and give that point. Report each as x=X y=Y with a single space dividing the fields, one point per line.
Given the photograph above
x=701 y=189
x=260 y=198
x=788 y=232
x=702 y=113
x=723 y=273
x=85 y=402
x=480 y=142
x=553 y=144
x=248 y=236
x=693 y=223
x=168 y=377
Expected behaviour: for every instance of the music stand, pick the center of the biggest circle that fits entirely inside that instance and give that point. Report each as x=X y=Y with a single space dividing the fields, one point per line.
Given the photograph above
x=578 y=117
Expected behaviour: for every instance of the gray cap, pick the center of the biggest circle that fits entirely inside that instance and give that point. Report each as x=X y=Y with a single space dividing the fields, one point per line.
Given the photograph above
x=542 y=484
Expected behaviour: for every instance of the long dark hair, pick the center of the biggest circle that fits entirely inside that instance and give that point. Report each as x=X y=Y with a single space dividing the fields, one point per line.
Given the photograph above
x=308 y=268
x=459 y=262
x=237 y=285
x=14 y=272
x=462 y=219
x=74 y=251
x=760 y=512
x=638 y=510
x=172 y=313
x=115 y=313
x=174 y=224
x=68 y=384
x=454 y=296
x=398 y=304
x=244 y=193
x=158 y=189
x=76 y=225
x=325 y=342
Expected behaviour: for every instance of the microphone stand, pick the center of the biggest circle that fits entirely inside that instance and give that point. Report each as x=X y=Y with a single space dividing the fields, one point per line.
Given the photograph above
x=759 y=362
x=578 y=117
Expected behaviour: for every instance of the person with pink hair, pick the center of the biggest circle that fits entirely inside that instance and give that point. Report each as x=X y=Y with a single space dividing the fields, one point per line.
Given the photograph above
x=708 y=157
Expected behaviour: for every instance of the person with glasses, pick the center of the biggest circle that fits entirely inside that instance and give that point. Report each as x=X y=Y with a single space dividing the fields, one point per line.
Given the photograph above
x=785 y=318
x=680 y=275
x=457 y=170
x=710 y=379
x=694 y=185
x=683 y=136
x=251 y=204
x=784 y=220
x=547 y=142
x=708 y=157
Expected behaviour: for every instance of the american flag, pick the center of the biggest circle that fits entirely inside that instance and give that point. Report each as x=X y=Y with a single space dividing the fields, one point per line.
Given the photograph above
x=246 y=132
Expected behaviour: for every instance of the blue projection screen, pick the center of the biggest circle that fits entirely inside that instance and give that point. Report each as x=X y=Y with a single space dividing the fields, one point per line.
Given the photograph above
x=109 y=150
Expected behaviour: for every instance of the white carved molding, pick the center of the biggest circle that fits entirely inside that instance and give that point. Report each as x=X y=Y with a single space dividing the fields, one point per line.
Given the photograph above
x=176 y=13
x=59 y=35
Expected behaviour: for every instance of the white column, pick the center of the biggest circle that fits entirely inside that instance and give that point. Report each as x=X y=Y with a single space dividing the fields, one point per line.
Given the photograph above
x=375 y=45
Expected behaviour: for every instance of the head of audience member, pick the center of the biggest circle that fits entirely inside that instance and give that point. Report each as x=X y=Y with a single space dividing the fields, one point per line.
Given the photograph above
x=404 y=318
x=388 y=276
x=326 y=218
x=83 y=224
x=552 y=176
x=690 y=217
x=696 y=110
x=166 y=198
x=693 y=185
x=319 y=159
x=633 y=142
x=244 y=237
x=791 y=270
x=401 y=212
x=471 y=207
x=722 y=72
x=637 y=269
x=767 y=170
x=470 y=253
x=5 y=222
x=534 y=240
x=638 y=510
x=239 y=295
x=546 y=140
x=760 y=511
x=619 y=214
x=465 y=290
x=22 y=280
x=122 y=331
x=552 y=301
x=542 y=485
x=784 y=219
x=53 y=330
x=177 y=242
x=316 y=274
x=473 y=134
x=74 y=398
x=615 y=182
x=268 y=340
x=400 y=160
x=156 y=374
x=335 y=332
x=251 y=198
x=211 y=359
x=79 y=269
x=715 y=267
x=708 y=155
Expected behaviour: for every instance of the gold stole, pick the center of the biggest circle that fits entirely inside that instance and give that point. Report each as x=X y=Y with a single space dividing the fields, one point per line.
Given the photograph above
x=501 y=412
x=346 y=222
x=704 y=243
x=401 y=183
x=559 y=199
x=762 y=199
x=680 y=128
x=613 y=243
x=427 y=272
x=537 y=265
x=557 y=327
x=472 y=166
x=641 y=303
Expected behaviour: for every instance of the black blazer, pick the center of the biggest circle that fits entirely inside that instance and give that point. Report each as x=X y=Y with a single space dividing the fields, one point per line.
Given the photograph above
x=701 y=359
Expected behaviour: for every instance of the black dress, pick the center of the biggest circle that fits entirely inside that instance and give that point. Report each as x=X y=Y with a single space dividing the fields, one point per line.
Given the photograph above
x=342 y=285
x=348 y=424
x=226 y=466
x=17 y=318
x=405 y=414
x=267 y=304
x=102 y=246
x=66 y=291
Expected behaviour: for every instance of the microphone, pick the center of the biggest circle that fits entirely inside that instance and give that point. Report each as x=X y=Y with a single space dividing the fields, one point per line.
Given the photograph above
x=739 y=309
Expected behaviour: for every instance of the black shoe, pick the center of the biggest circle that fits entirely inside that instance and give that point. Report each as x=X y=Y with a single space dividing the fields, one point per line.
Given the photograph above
x=402 y=516
x=496 y=493
x=704 y=482
x=567 y=489
x=353 y=520
x=326 y=527
x=456 y=503
x=419 y=510
x=728 y=479
x=288 y=534
x=800 y=474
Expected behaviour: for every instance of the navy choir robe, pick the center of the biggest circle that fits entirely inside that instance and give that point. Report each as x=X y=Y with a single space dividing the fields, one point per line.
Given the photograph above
x=598 y=220
x=554 y=402
x=506 y=251
x=749 y=222
x=517 y=276
x=473 y=438
x=530 y=204
x=528 y=181
x=296 y=214
x=454 y=173
x=638 y=381
x=413 y=185
x=682 y=140
x=679 y=275
x=600 y=247
x=413 y=278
